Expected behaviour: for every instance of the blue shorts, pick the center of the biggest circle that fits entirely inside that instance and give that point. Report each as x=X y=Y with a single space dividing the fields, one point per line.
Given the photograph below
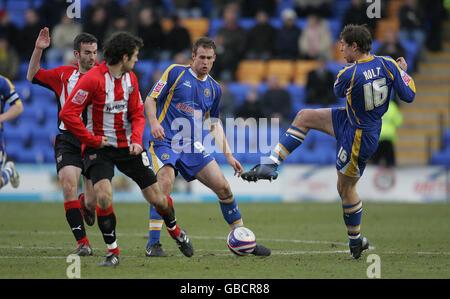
x=354 y=146
x=187 y=164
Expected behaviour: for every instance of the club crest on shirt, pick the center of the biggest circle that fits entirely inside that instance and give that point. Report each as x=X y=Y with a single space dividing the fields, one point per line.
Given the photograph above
x=207 y=92
x=80 y=97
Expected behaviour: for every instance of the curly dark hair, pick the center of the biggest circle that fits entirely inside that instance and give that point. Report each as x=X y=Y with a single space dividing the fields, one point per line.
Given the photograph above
x=359 y=34
x=119 y=44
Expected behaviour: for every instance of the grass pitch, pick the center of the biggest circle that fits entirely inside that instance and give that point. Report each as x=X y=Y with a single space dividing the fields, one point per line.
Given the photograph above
x=308 y=240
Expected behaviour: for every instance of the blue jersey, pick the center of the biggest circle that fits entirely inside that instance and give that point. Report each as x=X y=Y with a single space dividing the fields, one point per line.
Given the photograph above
x=183 y=102
x=8 y=95
x=367 y=85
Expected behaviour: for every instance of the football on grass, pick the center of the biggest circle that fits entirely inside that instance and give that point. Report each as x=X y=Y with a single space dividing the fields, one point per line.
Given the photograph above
x=241 y=241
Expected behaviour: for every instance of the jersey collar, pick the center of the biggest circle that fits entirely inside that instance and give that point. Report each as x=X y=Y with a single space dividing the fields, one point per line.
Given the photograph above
x=195 y=75
x=365 y=60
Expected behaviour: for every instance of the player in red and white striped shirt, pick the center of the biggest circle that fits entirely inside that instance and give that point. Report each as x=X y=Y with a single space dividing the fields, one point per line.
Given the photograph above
x=69 y=162
x=112 y=137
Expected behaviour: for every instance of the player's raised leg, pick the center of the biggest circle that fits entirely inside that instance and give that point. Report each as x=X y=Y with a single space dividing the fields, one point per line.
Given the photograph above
x=9 y=174
x=305 y=120
x=212 y=177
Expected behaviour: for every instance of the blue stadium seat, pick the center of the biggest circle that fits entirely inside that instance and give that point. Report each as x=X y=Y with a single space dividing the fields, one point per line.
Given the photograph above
x=145 y=69
x=441 y=158
x=21 y=132
x=23 y=88
x=239 y=90
x=42 y=95
x=20 y=5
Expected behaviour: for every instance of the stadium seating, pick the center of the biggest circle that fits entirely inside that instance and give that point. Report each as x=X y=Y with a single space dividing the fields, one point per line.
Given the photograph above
x=283 y=69
x=251 y=71
x=38 y=123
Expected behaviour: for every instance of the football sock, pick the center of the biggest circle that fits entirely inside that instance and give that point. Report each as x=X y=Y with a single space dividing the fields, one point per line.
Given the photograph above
x=6 y=175
x=292 y=139
x=106 y=220
x=352 y=219
x=230 y=211
x=169 y=219
x=75 y=219
x=154 y=226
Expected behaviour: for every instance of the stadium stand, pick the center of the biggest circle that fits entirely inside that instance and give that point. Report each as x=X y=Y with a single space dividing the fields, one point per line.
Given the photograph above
x=421 y=139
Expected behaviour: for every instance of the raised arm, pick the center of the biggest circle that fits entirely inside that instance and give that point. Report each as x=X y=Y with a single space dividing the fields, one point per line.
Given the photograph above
x=42 y=42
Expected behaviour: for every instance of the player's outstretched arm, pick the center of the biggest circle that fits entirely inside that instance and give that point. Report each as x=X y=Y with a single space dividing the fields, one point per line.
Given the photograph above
x=14 y=110
x=42 y=42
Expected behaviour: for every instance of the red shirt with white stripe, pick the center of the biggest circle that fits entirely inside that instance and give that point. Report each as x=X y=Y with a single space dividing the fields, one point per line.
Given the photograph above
x=61 y=80
x=114 y=109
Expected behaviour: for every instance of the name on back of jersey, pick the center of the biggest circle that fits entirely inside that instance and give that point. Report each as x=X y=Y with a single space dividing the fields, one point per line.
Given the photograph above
x=371 y=73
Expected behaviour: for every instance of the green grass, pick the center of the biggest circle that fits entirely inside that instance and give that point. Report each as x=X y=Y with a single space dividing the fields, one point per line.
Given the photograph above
x=308 y=240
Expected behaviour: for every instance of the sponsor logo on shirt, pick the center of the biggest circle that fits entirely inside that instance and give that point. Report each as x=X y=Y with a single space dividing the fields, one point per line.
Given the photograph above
x=116 y=107
x=80 y=97
x=406 y=79
x=159 y=86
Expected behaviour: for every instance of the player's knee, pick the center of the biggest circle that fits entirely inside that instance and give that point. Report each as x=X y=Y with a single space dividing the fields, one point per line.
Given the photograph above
x=166 y=183
x=301 y=118
x=103 y=196
x=69 y=186
x=223 y=189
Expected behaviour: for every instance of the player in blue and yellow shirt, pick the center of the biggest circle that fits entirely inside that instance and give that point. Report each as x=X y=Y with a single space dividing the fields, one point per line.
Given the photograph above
x=367 y=85
x=184 y=98
x=9 y=96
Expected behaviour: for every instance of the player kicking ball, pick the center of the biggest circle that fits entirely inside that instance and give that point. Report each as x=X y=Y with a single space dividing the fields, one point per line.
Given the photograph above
x=367 y=84
x=184 y=97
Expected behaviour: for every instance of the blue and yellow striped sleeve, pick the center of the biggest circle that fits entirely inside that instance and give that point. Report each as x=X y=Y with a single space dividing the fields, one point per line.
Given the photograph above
x=161 y=88
x=403 y=83
x=8 y=92
x=343 y=80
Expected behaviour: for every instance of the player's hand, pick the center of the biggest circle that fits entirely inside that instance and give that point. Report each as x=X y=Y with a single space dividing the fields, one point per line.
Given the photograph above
x=43 y=40
x=157 y=131
x=104 y=142
x=236 y=166
x=402 y=63
x=135 y=149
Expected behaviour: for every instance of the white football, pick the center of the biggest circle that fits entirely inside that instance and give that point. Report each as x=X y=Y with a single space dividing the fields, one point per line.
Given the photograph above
x=241 y=241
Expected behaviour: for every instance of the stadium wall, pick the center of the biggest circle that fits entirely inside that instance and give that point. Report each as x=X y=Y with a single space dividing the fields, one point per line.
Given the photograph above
x=295 y=183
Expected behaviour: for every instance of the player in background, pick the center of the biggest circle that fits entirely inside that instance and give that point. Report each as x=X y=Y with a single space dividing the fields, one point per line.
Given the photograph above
x=9 y=96
x=186 y=96
x=69 y=162
x=367 y=84
x=113 y=137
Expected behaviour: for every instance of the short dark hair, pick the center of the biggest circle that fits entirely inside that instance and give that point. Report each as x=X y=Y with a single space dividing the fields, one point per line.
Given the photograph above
x=83 y=38
x=118 y=44
x=204 y=42
x=358 y=34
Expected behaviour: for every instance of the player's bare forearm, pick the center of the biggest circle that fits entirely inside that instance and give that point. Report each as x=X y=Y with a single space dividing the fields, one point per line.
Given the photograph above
x=14 y=111
x=35 y=64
